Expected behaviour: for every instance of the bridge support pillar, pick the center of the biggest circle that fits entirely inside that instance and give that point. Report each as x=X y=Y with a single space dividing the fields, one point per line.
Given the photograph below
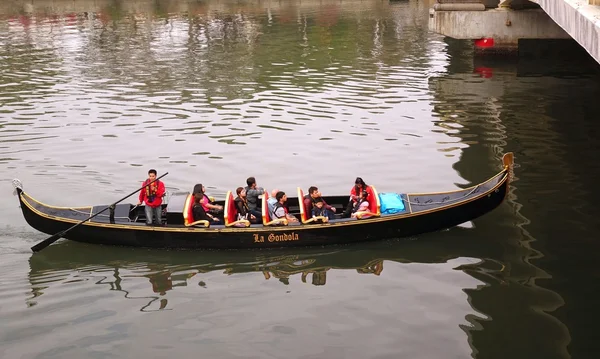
x=494 y=31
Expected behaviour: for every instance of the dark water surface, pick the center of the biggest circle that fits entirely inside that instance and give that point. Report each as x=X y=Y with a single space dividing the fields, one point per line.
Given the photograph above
x=94 y=93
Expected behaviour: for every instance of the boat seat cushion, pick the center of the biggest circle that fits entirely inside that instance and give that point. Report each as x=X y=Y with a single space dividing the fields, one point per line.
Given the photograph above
x=303 y=214
x=306 y=217
x=121 y=213
x=266 y=216
x=374 y=205
x=188 y=214
x=391 y=203
x=231 y=213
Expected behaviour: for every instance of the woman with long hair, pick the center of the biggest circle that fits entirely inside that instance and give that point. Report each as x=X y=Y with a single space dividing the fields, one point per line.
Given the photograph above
x=198 y=210
x=241 y=203
x=359 y=187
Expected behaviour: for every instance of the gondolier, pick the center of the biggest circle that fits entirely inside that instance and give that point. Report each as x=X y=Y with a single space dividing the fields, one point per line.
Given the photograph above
x=152 y=195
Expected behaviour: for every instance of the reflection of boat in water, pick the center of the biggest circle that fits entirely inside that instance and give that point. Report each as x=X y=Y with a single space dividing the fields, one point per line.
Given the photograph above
x=420 y=213
x=167 y=270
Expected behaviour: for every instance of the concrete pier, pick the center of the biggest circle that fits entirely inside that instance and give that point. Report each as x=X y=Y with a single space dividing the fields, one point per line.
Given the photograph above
x=579 y=18
x=503 y=27
x=502 y=23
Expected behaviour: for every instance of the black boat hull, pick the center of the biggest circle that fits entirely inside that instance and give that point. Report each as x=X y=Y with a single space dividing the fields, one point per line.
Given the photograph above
x=426 y=213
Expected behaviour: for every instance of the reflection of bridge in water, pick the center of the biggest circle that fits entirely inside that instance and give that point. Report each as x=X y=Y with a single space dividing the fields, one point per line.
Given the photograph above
x=544 y=113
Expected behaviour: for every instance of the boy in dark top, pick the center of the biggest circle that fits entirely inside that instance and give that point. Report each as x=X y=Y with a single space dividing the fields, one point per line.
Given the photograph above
x=310 y=199
x=320 y=210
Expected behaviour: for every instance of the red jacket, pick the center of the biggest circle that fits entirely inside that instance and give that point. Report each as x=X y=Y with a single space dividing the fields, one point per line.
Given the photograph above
x=369 y=191
x=157 y=189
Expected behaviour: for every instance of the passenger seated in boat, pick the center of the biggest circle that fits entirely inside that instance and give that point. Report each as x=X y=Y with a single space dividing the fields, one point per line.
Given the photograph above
x=310 y=199
x=198 y=211
x=252 y=193
x=361 y=205
x=241 y=203
x=359 y=187
x=280 y=209
x=214 y=209
x=272 y=200
x=319 y=209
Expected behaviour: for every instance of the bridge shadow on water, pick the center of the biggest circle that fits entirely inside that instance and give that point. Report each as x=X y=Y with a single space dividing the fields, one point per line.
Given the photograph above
x=543 y=106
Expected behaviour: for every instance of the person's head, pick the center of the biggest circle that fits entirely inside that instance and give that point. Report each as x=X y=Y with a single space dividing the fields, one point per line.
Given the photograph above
x=360 y=183
x=313 y=191
x=251 y=182
x=364 y=195
x=241 y=192
x=274 y=193
x=198 y=192
x=319 y=203
x=281 y=197
x=152 y=174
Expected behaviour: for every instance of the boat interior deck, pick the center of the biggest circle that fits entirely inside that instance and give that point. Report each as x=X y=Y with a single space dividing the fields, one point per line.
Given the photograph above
x=126 y=213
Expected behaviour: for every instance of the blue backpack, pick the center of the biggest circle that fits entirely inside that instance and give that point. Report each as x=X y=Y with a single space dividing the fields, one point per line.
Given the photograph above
x=391 y=203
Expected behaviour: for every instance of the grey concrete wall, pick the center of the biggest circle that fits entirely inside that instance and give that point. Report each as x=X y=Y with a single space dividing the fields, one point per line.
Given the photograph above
x=487 y=3
x=579 y=19
x=504 y=25
x=41 y=7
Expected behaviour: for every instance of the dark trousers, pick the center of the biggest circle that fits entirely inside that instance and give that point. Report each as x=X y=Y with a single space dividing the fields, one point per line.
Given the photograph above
x=348 y=212
x=257 y=213
x=327 y=213
x=330 y=214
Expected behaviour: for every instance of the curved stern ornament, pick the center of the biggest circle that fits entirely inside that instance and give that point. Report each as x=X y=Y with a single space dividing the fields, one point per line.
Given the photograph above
x=17 y=184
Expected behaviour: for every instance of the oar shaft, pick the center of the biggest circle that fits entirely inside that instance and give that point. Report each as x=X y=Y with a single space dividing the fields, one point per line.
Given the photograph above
x=48 y=241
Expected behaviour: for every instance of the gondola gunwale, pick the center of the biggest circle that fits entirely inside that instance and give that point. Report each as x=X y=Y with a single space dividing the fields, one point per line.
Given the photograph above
x=386 y=218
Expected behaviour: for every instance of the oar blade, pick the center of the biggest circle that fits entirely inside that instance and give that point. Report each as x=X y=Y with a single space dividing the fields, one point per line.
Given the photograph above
x=48 y=241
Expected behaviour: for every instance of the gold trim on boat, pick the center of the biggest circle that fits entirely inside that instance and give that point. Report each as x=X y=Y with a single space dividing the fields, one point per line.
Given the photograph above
x=273 y=228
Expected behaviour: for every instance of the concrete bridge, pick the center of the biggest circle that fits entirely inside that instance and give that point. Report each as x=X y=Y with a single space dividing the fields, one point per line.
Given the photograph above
x=498 y=25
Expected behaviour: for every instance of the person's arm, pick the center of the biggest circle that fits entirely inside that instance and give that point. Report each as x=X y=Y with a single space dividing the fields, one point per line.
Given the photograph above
x=326 y=206
x=210 y=205
x=142 y=194
x=255 y=192
x=240 y=207
x=212 y=217
x=353 y=195
x=160 y=191
x=279 y=212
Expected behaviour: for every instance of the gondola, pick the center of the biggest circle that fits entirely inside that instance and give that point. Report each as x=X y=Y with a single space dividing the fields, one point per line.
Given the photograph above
x=124 y=224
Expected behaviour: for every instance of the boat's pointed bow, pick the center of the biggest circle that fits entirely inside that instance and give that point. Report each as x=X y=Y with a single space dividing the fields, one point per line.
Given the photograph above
x=508 y=160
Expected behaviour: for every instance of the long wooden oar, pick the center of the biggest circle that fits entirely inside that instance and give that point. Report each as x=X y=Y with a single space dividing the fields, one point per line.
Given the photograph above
x=48 y=241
